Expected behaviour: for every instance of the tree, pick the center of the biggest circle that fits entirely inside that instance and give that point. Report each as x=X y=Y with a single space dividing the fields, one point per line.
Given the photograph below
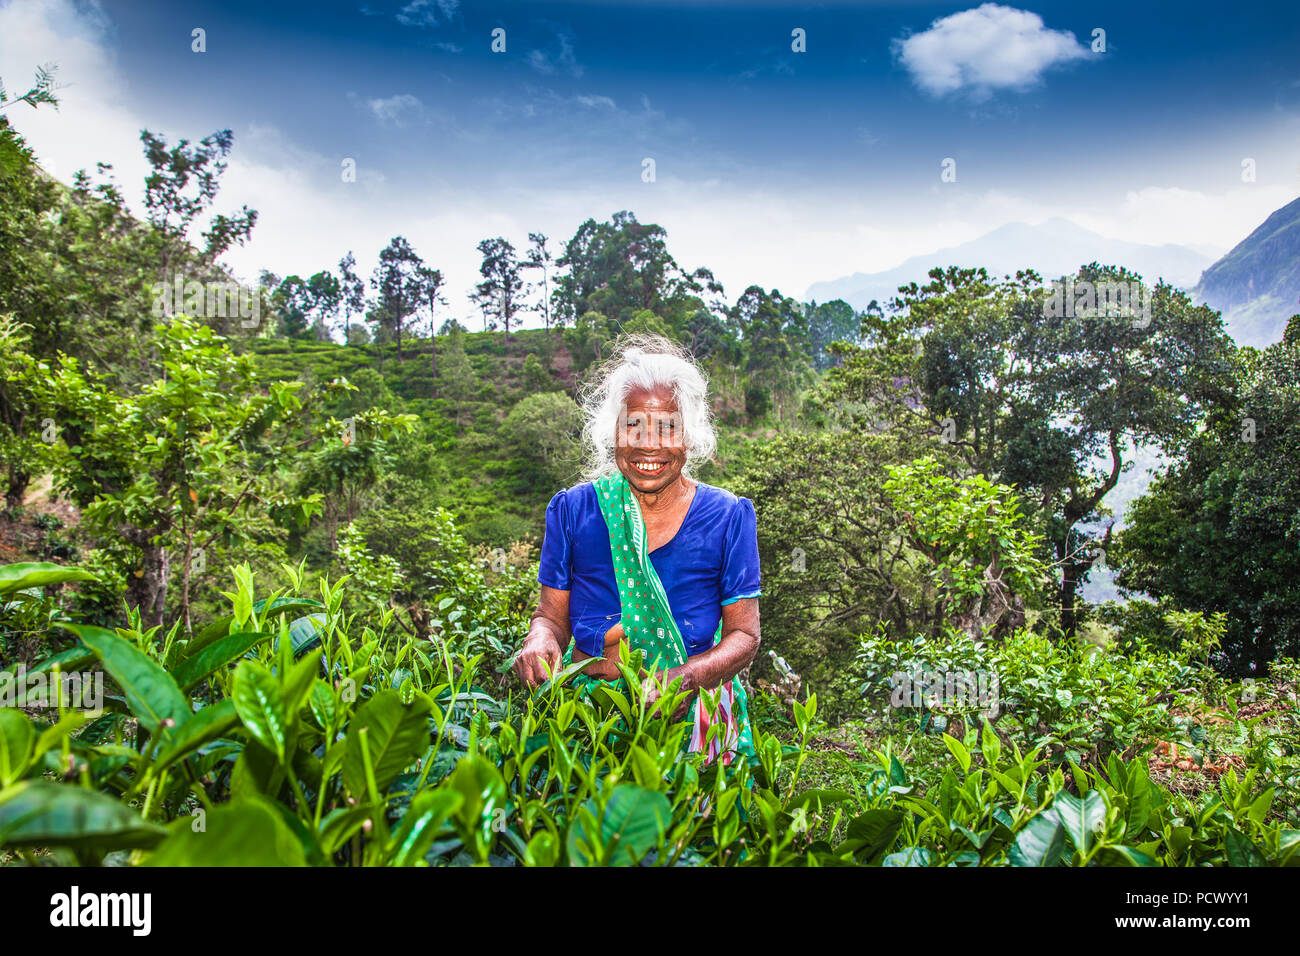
x=498 y=294
x=619 y=267
x=305 y=306
x=836 y=562
x=352 y=290
x=430 y=281
x=829 y=322
x=25 y=431
x=460 y=383
x=399 y=285
x=980 y=556
x=1220 y=530
x=79 y=270
x=587 y=339
x=181 y=465
x=543 y=428
x=645 y=322
x=536 y=377
x=773 y=328
x=349 y=461
x=1044 y=402
x=87 y=277
x=15 y=156
x=707 y=336
x=181 y=186
x=28 y=198
x=539 y=257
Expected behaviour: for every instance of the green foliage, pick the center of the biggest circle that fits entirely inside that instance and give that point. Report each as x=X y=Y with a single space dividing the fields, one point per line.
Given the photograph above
x=622 y=268
x=373 y=749
x=915 y=493
x=909 y=549
x=499 y=292
x=180 y=463
x=24 y=450
x=536 y=378
x=306 y=305
x=1040 y=399
x=588 y=338
x=410 y=560
x=829 y=322
x=982 y=559
x=1066 y=698
x=544 y=429
x=1219 y=532
x=1199 y=636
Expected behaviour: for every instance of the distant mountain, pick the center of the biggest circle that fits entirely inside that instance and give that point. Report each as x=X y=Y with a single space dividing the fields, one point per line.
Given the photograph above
x=1053 y=249
x=1257 y=285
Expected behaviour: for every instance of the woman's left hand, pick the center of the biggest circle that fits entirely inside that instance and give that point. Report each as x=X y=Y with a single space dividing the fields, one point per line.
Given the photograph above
x=650 y=689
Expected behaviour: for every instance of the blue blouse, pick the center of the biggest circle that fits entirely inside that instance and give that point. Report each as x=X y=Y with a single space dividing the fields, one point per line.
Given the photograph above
x=711 y=561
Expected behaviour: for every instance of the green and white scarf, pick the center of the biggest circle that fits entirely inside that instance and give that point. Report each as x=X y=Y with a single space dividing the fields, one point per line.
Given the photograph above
x=721 y=725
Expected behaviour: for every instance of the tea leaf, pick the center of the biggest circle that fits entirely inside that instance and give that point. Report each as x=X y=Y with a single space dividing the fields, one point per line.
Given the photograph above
x=150 y=691
x=397 y=734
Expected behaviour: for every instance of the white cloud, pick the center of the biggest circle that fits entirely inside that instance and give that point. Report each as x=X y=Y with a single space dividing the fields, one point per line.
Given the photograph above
x=562 y=60
x=988 y=48
x=597 y=102
x=427 y=13
x=91 y=90
x=1158 y=215
x=395 y=110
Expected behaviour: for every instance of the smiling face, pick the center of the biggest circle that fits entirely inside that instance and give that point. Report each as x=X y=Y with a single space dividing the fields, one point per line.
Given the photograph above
x=650 y=442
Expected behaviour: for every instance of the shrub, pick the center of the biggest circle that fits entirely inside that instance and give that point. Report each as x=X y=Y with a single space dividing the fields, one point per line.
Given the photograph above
x=288 y=732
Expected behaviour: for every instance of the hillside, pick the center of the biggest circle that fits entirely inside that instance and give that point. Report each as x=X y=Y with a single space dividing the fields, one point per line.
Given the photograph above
x=1257 y=284
x=494 y=473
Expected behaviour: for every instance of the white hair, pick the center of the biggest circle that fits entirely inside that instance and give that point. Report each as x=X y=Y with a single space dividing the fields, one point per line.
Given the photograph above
x=645 y=361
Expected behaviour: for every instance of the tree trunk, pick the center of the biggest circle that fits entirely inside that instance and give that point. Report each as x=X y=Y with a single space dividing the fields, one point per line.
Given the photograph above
x=147 y=587
x=1264 y=653
x=17 y=488
x=433 y=361
x=996 y=611
x=1070 y=574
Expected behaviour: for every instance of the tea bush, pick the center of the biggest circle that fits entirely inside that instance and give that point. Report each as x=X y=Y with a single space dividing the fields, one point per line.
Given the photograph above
x=1074 y=700
x=292 y=731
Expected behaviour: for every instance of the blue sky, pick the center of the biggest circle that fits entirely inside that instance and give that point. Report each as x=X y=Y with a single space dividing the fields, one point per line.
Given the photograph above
x=771 y=166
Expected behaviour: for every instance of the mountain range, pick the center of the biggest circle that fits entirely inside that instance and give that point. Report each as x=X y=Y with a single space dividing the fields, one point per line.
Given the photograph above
x=1054 y=248
x=1256 y=285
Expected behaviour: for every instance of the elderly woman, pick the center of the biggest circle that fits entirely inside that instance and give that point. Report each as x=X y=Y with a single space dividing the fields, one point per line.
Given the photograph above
x=642 y=553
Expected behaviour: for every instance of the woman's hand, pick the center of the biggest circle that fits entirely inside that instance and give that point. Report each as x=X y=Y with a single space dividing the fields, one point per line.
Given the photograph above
x=542 y=652
x=538 y=659
x=650 y=688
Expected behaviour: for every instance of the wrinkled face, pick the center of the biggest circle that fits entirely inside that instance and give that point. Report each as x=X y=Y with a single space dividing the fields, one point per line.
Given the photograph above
x=649 y=442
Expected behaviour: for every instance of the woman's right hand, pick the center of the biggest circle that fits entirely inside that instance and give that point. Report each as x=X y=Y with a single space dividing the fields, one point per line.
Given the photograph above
x=538 y=659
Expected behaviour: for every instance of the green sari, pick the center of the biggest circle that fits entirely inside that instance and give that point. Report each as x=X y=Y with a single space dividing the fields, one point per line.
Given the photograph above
x=719 y=719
